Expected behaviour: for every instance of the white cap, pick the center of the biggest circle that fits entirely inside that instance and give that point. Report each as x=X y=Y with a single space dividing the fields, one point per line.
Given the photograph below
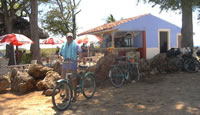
x=69 y=35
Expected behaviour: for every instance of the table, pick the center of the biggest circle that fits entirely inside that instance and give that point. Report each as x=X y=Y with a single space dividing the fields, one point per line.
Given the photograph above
x=21 y=67
x=91 y=59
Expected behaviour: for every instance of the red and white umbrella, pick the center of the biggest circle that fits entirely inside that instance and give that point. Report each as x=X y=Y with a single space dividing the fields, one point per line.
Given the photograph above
x=88 y=39
x=15 y=39
x=52 y=41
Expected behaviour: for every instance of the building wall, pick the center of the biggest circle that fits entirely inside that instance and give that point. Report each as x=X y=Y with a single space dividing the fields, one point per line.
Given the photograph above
x=152 y=25
x=138 y=40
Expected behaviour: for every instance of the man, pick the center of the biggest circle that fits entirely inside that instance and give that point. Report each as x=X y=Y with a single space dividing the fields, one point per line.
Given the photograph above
x=68 y=53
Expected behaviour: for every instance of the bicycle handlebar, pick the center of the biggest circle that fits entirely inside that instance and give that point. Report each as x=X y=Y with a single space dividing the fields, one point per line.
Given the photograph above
x=123 y=57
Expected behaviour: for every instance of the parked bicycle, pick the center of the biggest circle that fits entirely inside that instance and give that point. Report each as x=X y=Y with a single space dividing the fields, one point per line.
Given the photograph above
x=191 y=63
x=63 y=93
x=182 y=62
x=121 y=72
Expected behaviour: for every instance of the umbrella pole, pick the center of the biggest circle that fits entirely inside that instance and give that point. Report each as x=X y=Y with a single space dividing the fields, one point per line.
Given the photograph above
x=17 y=50
x=14 y=57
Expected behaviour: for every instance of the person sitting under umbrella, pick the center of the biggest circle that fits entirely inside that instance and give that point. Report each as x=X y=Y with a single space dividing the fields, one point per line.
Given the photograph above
x=84 y=52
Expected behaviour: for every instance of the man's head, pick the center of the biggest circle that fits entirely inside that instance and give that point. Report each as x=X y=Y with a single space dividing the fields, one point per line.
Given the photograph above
x=69 y=37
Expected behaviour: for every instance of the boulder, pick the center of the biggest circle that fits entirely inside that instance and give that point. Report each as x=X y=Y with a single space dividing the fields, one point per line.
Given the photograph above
x=4 y=83
x=48 y=92
x=102 y=67
x=144 y=66
x=38 y=71
x=49 y=82
x=40 y=85
x=21 y=82
x=159 y=62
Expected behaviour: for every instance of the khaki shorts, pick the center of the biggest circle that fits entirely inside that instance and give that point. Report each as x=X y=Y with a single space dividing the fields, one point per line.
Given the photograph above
x=64 y=71
x=73 y=77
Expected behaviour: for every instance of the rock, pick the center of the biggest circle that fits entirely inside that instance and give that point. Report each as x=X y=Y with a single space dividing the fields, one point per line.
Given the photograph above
x=159 y=62
x=38 y=71
x=103 y=66
x=48 y=92
x=4 y=83
x=13 y=72
x=40 y=85
x=144 y=66
x=22 y=82
x=49 y=81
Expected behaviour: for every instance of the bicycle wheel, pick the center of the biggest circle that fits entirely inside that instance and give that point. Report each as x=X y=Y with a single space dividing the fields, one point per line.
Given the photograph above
x=134 y=72
x=116 y=77
x=191 y=65
x=89 y=86
x=61 y=96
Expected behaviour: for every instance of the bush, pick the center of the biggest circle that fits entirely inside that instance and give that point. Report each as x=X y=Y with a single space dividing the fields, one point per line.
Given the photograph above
x=26 y=58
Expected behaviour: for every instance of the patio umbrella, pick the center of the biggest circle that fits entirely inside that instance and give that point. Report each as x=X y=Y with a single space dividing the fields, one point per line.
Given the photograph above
x=52 y=41
x=15 y=39
x=88 y=39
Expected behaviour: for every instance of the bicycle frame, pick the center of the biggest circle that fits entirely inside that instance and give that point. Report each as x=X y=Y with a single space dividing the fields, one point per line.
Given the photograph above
x=129 y=67
x=79 y=86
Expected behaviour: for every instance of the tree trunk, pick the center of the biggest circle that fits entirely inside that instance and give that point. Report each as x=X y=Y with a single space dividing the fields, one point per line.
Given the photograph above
x=35 y=48
x=8 y=17
x=74 y=25
x=73 y=5
x=187 y=25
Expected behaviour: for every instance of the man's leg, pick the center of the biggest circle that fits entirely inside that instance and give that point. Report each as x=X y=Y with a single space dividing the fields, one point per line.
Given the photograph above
x=63 y=76
x=74 y=78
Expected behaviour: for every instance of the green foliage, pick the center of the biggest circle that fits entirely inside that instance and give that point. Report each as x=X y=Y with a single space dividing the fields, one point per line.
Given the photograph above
x=110 y=19
x=26 y=58
x=46 y=52
x=170 y=4
x=59 y=19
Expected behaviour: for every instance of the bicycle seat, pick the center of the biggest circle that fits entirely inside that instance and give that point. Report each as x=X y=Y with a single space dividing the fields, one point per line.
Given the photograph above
x=121 y=58
x=83 y=66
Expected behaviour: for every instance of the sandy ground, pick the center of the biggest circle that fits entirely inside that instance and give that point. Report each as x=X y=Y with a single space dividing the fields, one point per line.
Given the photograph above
x=164 y=94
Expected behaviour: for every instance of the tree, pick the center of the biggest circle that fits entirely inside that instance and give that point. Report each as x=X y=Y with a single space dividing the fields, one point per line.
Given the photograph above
x=10 y=10
x=13 y=13
x=61 y=19
x=110 y=19
x=186 y=7
x=35 y=48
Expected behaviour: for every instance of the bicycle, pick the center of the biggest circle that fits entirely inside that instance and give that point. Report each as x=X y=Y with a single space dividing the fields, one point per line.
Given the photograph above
x=63 y=92
x=191 y=64
x=119 y=73
x=182 y=62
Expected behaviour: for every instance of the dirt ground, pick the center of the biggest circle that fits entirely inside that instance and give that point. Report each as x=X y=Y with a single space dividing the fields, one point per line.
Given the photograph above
x=164 y=94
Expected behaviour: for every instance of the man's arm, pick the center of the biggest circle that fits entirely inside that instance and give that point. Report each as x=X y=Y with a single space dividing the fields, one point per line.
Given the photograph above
x=60 y=54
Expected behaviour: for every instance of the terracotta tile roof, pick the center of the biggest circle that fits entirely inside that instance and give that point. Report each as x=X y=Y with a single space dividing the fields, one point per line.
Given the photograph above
x=110 y=25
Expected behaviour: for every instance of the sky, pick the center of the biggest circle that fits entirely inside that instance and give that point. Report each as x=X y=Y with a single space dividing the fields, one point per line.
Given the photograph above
x=94 y=12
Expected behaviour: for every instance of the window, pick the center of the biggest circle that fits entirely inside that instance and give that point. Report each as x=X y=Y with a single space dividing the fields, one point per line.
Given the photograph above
x=128 y=40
